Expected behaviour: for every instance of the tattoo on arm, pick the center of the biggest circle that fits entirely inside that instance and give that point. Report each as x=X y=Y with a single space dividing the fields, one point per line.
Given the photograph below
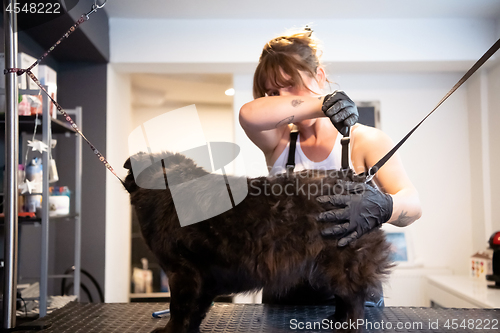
x=297 y=102
x=287 y=120
x=403 y=220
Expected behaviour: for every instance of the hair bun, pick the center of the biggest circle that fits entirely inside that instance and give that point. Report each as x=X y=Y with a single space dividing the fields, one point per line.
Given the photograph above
x=309 y=30
x=282 y=60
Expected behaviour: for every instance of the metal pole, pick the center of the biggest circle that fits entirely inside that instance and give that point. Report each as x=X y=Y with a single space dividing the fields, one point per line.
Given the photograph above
x=44 y=256
x=78 y=202
x=11 y=166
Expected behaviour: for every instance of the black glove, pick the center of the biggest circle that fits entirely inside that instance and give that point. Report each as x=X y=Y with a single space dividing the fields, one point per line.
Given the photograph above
x=362 y=209
x=341 y=110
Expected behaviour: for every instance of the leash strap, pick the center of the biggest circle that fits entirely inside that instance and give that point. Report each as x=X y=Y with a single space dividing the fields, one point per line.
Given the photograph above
x=20 y=71
x=373 y=170
x=74 y=126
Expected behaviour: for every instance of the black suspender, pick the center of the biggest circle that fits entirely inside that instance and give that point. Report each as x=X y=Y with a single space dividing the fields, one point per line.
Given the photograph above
x=345 y=149
x=290 y=164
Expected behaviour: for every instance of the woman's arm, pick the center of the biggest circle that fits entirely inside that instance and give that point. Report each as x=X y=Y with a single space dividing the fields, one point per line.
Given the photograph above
x=265 y=119
x=373 y=144
x=268 y=113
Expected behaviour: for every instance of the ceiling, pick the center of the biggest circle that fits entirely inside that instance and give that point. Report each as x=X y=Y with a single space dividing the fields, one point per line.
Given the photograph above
x=294 y=9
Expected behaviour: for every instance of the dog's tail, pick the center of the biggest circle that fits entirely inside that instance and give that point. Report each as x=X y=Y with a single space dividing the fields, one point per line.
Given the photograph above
x=129 y=182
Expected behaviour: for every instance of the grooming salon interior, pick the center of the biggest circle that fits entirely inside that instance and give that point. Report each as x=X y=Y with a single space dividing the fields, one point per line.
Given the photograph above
x=130 y=76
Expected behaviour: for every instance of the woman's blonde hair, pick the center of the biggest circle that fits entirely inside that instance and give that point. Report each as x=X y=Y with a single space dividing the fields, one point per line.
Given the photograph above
x=288 y=55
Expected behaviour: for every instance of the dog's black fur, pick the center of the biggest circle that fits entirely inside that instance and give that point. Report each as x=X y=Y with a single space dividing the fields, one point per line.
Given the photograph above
x=270 y=241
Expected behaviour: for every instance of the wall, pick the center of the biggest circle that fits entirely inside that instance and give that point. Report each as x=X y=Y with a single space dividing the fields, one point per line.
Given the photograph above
x=479 y=158
x=494 y=139
x=84 y=84
x=235 y=45
x=483 y=104
x=118 y=221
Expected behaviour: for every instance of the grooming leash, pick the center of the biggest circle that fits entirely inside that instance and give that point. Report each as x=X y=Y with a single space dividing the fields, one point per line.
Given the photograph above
x=373 y=170
x=20 y=71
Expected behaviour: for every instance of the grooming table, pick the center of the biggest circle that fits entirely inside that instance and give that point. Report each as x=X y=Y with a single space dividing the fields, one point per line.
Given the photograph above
x=245 y=318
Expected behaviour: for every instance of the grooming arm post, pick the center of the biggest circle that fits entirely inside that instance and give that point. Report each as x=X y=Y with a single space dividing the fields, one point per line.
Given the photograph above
x=44 y=251
x=11 y=165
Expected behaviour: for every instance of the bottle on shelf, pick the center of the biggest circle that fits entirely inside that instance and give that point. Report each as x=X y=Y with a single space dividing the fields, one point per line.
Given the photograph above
x=59 y=199
x=34 y=174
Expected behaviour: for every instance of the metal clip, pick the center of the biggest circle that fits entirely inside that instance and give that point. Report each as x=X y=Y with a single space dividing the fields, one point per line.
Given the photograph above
x=95 y=7
x=370 y=174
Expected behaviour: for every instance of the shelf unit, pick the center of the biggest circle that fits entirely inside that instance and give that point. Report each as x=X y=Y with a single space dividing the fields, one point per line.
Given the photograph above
x=49 y=126
x=80 y=62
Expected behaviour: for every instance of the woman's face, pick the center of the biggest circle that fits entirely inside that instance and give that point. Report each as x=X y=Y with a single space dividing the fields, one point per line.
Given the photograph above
x=313 y=83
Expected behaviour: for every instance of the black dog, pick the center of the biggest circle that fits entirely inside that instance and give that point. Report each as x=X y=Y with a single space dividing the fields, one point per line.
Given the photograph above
x=267 y=240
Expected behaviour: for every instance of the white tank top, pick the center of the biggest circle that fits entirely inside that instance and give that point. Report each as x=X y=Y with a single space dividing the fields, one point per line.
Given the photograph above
x=333 y=161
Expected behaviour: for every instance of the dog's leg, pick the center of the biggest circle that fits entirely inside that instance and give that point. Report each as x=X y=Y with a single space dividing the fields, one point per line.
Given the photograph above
x=203 y=305
x=349 y=309
x=185 y=287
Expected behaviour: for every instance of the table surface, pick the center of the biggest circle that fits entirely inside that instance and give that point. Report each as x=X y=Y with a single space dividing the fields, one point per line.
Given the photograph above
x=236 y=318
x=471 y=289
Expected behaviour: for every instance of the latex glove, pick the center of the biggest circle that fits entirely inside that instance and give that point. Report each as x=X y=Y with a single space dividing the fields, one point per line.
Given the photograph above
x=341 y=110
x=355 y=213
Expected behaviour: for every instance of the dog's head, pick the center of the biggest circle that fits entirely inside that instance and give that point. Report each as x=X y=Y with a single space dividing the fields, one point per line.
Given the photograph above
x=158 y=171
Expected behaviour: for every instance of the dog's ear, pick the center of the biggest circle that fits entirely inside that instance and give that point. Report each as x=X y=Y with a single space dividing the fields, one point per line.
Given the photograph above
x=129 y=182
x=128 y=164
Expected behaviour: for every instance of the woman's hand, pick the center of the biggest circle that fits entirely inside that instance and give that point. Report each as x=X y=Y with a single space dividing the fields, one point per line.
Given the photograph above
x=341 y=110
x=361 y=209
x=371 y=144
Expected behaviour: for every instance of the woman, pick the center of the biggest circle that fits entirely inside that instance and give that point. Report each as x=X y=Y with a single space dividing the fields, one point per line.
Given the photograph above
x=288 y=90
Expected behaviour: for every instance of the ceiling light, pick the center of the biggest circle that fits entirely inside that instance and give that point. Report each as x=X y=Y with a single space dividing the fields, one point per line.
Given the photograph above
x=229 y=92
